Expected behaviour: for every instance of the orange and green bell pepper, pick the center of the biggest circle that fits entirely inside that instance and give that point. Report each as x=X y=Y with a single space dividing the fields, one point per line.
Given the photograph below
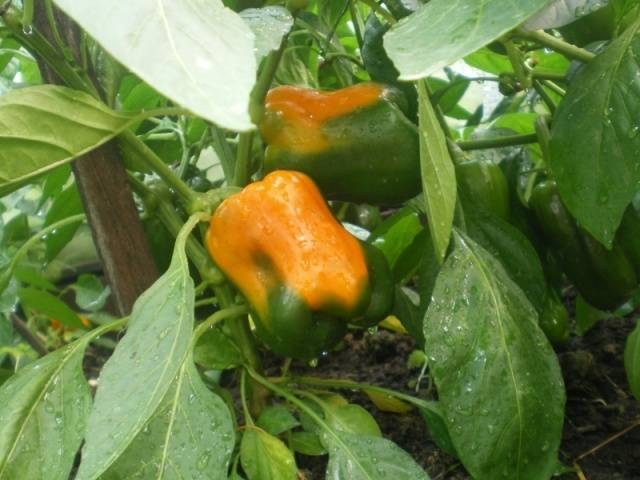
x=355 y=143
x=605 y=278
x=305 y=277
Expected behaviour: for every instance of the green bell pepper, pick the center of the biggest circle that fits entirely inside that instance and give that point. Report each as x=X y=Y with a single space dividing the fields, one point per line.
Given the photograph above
x=605 y=278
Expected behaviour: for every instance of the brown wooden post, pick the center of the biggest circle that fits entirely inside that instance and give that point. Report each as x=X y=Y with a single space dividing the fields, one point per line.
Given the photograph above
x=106 y=196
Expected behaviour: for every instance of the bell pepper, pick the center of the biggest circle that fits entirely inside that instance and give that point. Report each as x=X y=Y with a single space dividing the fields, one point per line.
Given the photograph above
x=303 y=274
x=355 y=143
x=485 y=185
x=554 y=320
x=605 y=278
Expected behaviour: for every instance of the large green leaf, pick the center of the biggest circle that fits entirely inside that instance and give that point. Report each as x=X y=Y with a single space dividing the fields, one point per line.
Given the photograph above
x=47 y=126
x=596 y=138
x=444 y=31
x=438 y=174
x=199 y=54
x=365 y=457
x=498 y=379
x=190 y=435
x=43 y=412
x=137 y=377
x=632 y=361
x=269 y=24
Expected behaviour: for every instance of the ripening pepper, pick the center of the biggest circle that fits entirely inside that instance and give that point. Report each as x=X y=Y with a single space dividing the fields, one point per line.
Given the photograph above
x=355 y=143
x=303 y=274
x=605 y=278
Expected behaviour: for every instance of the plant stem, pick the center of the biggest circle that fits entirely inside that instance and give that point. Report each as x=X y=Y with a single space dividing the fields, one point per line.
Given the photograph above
x=242 y=172
x=355 y=19
x=373 y=5
x=216 y=318
x=552 y=86
x=498 y=142
x=347 y=385
x=556 y=44
x=156 y=164
x=248 y=419
x=39 y=46
x=172 y=221
x=546 y=98
x=31 y=338
x=515 y=57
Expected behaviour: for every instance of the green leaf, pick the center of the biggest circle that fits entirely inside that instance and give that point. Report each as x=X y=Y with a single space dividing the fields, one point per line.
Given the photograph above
x=265 y=457
x=596 y=138
x=216 y=351
x=437 y=426
x=350 y=418
x=438 y=175
x=364 y=457
x=443 y=31
x=47 y=304
x=268 y=24
x=36 y=122
x=43 y=412
x=307 y=443
x=207 y=63
x=190 y=435
x=587 y=316
x=396 y=234
x=208 y=68
x=498 y=380
x=407 y=310
x=34 y=278
x=488 y=61
x=137 y=377
x=632 y=361
x=91 y=294
x=512 y=249
x=277 y=419
x=65 y=204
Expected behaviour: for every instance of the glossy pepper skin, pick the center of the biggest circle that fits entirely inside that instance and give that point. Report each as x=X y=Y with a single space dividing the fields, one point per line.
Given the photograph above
x=304 y=275
x=554 y=320
x=605 y=278
x=355 y=143
x=485 y=184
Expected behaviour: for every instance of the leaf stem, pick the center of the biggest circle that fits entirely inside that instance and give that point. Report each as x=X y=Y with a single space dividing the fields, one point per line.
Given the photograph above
x=248 y=419
x=556 y=44
x=373 y=5
x=498 y=142
x=156 y=164
x=347 y=385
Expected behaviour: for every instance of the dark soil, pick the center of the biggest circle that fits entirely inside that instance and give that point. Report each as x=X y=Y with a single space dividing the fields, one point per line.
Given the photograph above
x=599 y=405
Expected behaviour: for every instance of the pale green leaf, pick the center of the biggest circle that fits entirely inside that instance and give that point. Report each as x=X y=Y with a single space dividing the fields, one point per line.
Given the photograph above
x=444 y=31
x=269 y=24
x=43 y=412
x=498 y=379
x=35 y=126
x=364 y=457
x=190 y=435
x=136 y=378
x=265 y=457
x=438 y=175
x=197 y=53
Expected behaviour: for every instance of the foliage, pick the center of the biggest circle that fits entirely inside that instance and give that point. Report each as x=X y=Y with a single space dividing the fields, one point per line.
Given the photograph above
x=181 y=86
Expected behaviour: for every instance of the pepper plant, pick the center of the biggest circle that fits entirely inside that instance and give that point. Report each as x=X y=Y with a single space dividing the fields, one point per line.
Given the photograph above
x=331 y=149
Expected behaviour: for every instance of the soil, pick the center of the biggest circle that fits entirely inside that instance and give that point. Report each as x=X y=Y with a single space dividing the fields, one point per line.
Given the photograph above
x=599 y=405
